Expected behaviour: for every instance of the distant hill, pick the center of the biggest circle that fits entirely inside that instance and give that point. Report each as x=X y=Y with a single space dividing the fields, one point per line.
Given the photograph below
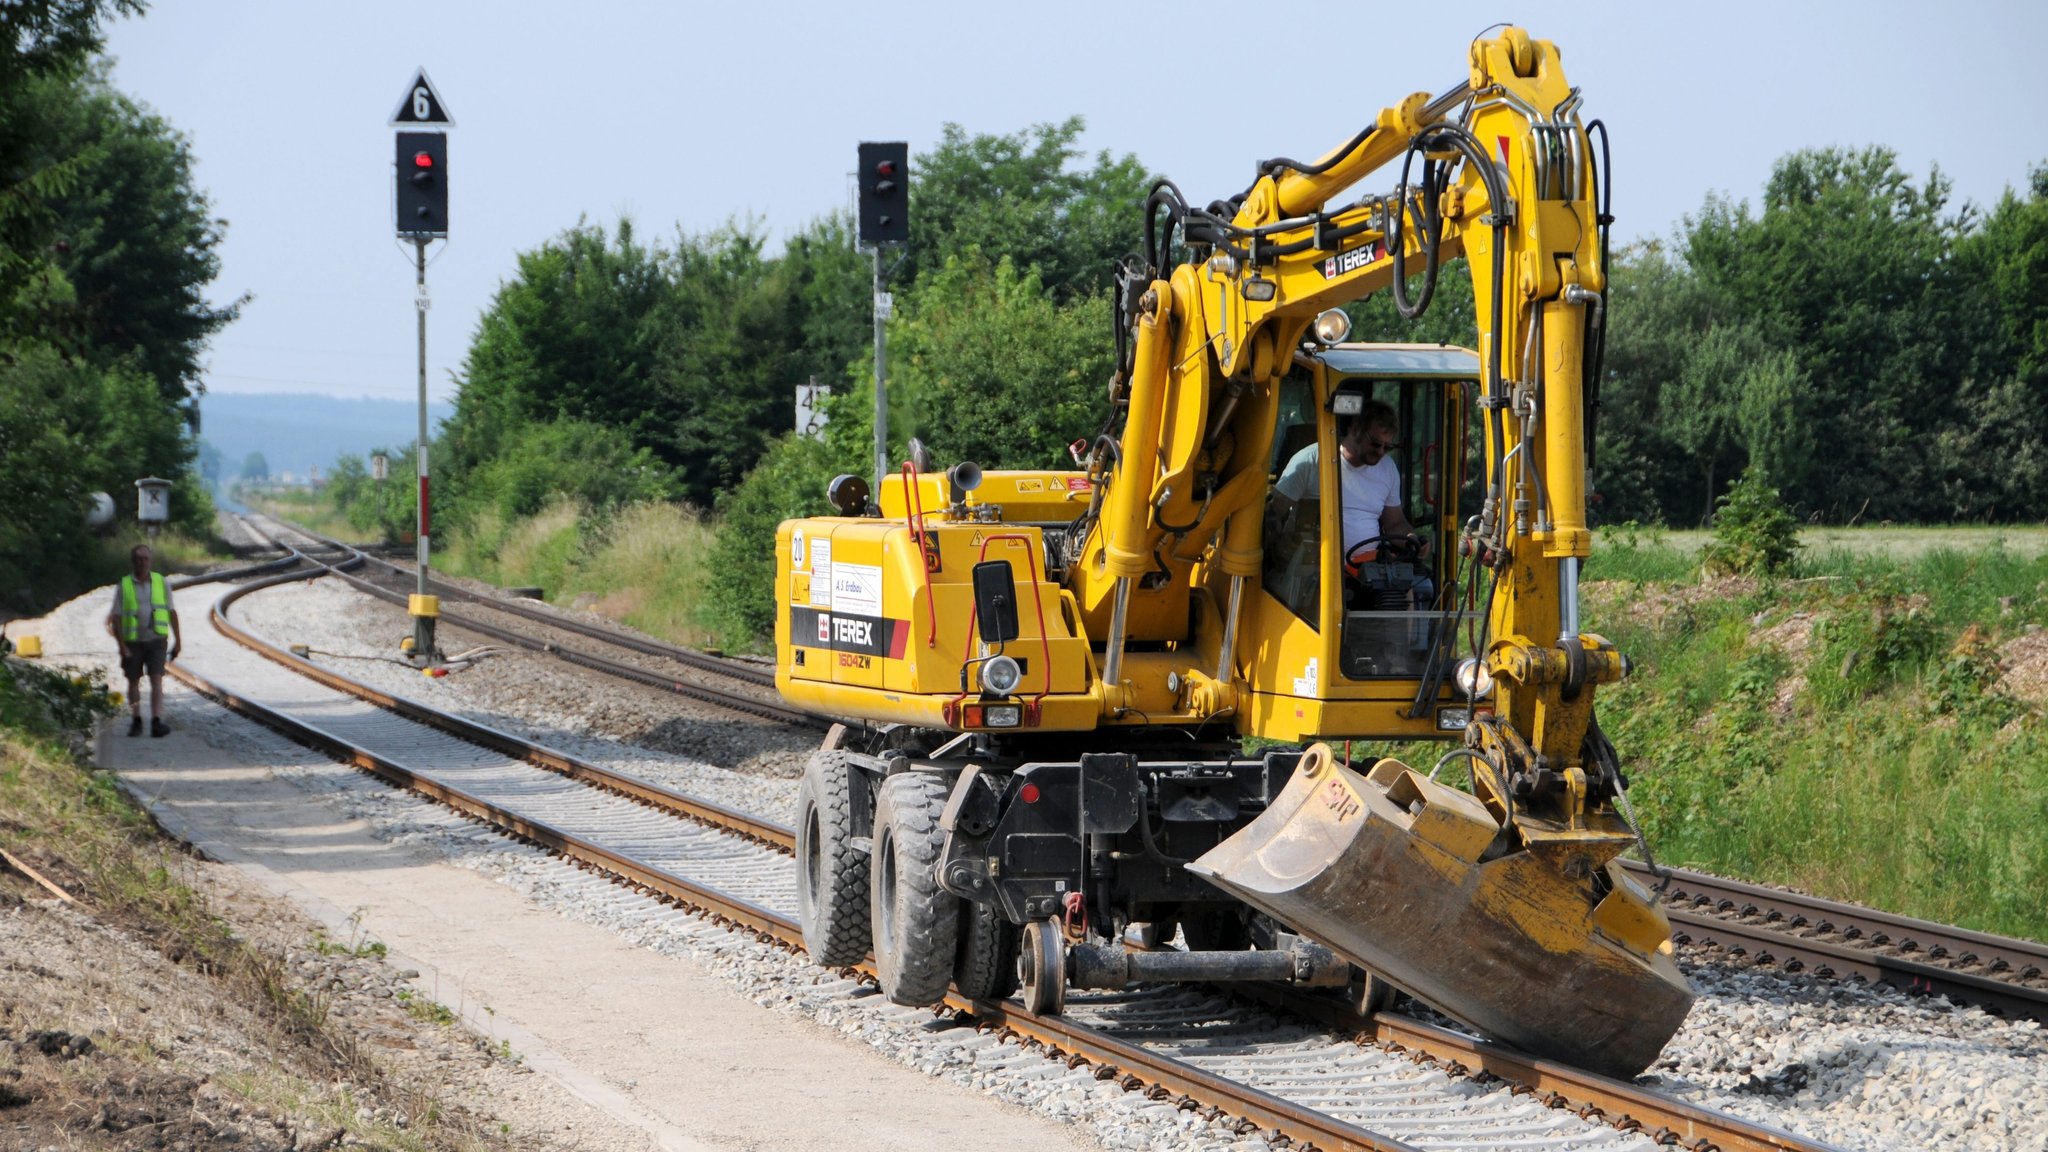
x=298 y=431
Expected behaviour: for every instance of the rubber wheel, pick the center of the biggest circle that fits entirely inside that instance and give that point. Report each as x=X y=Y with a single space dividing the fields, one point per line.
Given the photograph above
x=1042 y=962
x=831 y=874
x=916 y=922
x=988 y=954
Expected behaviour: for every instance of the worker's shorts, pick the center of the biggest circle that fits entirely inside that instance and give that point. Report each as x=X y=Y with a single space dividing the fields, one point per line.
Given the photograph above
x=147 y=655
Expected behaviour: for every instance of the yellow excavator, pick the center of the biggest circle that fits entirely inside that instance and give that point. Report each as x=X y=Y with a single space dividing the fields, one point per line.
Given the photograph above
x=1102 y=721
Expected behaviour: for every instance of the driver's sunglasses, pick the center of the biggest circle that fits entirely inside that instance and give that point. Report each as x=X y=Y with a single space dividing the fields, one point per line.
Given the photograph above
x=1382 y=445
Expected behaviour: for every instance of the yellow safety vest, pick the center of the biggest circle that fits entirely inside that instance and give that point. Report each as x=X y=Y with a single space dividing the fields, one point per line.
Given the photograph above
x=159 y=599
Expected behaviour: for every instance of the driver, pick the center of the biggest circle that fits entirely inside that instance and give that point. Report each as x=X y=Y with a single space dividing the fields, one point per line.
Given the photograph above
x=1370 y=484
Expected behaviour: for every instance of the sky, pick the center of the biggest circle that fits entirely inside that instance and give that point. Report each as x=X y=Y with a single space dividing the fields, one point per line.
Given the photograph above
x=686 y=115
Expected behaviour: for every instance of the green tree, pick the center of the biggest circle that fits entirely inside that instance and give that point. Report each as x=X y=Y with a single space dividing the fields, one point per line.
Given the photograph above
x=134 y=236
x=255 y=467
x=1029 y=198
x=1999 y=451
x=1451 y=317
x=730 y=354
x=989 y=368
x=1846 y=266
x=1754 y=534
x=1655 y=309
x=570 y=336
x=40 y=41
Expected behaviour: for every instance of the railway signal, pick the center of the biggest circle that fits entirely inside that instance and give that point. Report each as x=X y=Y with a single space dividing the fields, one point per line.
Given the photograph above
x=422 y=184
x=885 y=193
x=421 y=208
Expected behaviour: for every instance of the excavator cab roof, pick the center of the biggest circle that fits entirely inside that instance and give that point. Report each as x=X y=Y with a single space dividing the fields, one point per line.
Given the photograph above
x=1447 y=360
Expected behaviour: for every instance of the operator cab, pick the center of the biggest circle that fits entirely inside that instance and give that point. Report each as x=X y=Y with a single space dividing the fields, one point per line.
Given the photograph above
x=1333 y=450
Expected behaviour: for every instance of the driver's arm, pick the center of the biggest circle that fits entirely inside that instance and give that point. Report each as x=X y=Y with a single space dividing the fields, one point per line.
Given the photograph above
x=1394 y=525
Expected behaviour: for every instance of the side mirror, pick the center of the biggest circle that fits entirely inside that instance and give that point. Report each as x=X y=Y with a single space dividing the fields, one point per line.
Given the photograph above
x=995 y=601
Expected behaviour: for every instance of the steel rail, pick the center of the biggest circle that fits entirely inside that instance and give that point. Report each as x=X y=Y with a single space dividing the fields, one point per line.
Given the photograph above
x=739 y=702
x=1587 y=1094
x=1792 y=931
x=719 y=666
x=1624 y=1105
x=531 y=752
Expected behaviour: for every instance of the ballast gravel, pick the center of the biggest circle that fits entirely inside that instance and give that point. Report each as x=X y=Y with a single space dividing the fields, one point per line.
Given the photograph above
x=1855 y=1066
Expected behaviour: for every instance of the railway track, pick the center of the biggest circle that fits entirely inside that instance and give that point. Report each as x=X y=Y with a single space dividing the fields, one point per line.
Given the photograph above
x=1390 y=1083
x=1744 y=923
x=688 y=683
x=1797 y=933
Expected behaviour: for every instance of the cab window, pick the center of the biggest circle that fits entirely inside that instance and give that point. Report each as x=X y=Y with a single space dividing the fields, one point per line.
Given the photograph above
x=1293 y=565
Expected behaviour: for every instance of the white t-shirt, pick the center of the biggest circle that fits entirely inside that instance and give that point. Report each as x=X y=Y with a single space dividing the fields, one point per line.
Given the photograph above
x=1367 y=489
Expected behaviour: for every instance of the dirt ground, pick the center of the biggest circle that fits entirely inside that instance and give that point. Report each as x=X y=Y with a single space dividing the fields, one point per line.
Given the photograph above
x=112 y=1038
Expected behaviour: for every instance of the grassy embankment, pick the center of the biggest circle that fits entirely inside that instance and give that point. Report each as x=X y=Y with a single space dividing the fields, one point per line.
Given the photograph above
x=79 y=830
x=643 y=565
x=1870 y=728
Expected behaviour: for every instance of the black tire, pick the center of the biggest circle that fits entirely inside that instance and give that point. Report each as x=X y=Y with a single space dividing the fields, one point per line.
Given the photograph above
x=831 y=874
x=988 y=954
x=916 y=922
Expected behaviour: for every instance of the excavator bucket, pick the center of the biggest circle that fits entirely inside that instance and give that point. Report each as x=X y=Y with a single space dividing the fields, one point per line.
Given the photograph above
x=1393 y=872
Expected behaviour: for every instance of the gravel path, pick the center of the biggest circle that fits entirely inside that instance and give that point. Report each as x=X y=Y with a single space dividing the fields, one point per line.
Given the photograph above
x=1859 y=1067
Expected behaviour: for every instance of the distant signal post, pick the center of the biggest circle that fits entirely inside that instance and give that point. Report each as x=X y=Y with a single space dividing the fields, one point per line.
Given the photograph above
x=884 y=182
x=421 y=207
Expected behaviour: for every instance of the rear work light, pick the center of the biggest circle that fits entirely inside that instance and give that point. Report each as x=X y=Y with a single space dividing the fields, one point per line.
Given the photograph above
x=992 y=716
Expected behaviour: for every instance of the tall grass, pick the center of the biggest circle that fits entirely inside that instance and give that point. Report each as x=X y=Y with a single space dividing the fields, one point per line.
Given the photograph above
x=1847 y=732
x=644 y=565
x=309 y=510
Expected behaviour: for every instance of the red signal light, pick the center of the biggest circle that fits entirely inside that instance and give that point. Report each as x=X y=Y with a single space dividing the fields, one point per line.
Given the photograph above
x=423 y=159
x=1028 y=793
x=886 y=168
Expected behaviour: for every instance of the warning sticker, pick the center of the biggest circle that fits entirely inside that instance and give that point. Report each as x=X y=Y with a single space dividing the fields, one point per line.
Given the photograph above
x=1308 y=682
x=821 y=573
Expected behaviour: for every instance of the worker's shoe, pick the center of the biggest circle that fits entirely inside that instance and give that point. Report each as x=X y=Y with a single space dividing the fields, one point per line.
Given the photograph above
x=157 y=727
x=135 y=725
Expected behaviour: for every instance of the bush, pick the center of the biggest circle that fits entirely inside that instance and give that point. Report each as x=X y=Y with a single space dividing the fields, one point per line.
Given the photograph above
x=592 y=464
x=789 y=482
x=1754 y=534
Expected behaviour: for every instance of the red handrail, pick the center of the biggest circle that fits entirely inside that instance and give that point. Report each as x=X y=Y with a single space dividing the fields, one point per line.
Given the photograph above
x=913 y=518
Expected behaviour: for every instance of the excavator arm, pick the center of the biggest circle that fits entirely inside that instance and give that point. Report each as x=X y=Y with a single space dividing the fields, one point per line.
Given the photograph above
x=1498 y=169
x=1481 y=903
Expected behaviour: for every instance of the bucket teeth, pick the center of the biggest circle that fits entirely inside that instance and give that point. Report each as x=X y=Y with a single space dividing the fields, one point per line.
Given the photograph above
x=1548 y=947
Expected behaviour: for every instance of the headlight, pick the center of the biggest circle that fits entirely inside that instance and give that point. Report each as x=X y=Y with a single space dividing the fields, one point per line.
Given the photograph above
x=1332 y=326
x=1473 y=679
x=1000 y=675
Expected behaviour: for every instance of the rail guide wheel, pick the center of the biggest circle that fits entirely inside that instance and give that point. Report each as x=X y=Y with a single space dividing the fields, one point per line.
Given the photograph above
x=1042 y=964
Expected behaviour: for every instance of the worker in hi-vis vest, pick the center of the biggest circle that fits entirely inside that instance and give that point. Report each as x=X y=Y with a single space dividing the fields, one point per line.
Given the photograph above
x=146 y=626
